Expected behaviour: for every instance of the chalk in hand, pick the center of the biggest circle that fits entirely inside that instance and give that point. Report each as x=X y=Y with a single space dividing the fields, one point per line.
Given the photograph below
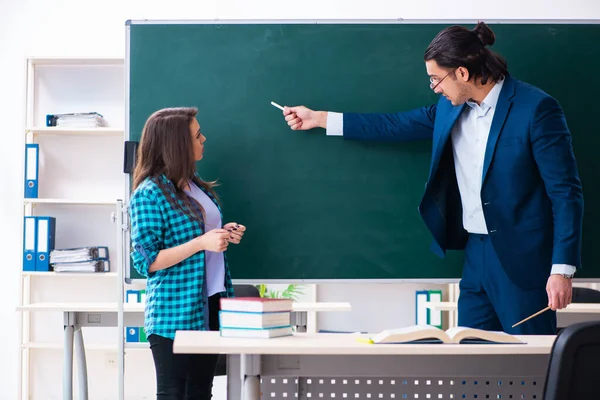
x=276 y=105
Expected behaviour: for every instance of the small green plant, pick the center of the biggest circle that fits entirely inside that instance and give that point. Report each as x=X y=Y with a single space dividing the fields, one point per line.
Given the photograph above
x=291 y=292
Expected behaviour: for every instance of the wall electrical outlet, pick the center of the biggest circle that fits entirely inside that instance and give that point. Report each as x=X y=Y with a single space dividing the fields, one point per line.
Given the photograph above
x=110 y=359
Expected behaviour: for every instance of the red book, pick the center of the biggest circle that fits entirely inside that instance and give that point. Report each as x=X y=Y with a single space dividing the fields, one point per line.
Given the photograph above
x=255 y=304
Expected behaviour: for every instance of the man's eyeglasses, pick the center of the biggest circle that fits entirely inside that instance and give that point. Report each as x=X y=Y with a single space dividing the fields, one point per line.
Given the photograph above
x=434 y=82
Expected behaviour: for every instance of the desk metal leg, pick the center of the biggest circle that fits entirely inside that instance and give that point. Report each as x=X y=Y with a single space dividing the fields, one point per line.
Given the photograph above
x=250 y=374
x=299 y=320
x=69 y=328
x=302 y=388
x=81 y=363
x=234 y=377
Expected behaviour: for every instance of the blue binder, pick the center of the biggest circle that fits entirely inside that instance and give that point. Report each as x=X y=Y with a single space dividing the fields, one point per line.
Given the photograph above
x=132 y=296
x=421 y=311
x=133 y=334
x=46 y=230
x=32 y=153
x=29 y=243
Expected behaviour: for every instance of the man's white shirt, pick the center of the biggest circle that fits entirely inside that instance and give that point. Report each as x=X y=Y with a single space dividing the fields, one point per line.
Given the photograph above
x=469 y=139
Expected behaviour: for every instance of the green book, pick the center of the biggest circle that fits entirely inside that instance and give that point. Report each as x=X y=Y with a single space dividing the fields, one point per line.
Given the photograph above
x=143 y=337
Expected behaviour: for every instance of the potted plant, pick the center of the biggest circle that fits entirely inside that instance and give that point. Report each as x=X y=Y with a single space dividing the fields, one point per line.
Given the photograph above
x=291 y=292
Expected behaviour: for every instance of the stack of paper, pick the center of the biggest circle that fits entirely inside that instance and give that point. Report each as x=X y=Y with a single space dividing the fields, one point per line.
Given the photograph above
x=85 y=266
x=78 y=254
x=76 y=120
x=255 y=317
x=80 y=259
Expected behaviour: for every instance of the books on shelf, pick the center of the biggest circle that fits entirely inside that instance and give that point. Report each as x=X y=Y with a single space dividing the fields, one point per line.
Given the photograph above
x=76 y=120
x=432 y=334
x=255 y=317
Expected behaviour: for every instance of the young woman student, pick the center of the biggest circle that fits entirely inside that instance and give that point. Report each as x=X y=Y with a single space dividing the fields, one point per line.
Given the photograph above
x=179 y=243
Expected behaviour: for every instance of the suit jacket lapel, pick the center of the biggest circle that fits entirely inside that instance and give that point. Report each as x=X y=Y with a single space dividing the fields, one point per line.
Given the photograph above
x=500 y=114
x=443 y=138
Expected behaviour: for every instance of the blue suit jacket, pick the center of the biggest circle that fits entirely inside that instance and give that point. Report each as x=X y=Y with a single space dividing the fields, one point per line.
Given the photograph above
x=531 y=193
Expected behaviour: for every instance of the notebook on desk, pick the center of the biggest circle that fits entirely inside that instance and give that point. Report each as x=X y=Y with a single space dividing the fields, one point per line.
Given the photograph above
x=432 y=334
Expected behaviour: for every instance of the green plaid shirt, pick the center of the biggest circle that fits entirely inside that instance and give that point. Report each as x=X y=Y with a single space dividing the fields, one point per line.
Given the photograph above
x=175 y=296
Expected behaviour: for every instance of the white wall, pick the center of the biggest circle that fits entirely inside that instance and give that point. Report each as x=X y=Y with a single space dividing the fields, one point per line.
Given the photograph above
x=96 y=28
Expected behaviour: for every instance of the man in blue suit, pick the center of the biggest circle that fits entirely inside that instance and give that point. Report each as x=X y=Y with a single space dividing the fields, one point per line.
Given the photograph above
x=503 y=181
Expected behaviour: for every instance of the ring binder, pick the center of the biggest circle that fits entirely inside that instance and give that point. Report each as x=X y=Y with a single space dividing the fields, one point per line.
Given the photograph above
x=32 y=152
x=46 y=228
x=29 y=243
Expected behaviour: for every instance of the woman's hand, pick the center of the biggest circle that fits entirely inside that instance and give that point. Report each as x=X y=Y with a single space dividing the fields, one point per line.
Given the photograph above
x=236 y=230
x=216 y=240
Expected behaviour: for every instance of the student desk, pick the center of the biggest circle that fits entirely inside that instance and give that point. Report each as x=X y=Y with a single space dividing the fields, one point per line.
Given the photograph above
x=78 y=315
x=324 y=365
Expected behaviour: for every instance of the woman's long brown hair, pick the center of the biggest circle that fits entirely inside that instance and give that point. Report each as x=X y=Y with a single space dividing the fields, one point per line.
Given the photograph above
x=166 y=148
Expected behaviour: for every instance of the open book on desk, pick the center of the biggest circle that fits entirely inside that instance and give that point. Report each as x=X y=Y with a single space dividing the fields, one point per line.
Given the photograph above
x=432 y=334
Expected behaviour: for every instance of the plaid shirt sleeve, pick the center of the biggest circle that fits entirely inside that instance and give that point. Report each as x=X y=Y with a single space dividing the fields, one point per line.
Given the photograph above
x=146 y=230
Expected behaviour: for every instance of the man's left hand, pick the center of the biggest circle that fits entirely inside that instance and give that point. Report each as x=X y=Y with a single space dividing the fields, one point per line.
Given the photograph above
x=560 y=292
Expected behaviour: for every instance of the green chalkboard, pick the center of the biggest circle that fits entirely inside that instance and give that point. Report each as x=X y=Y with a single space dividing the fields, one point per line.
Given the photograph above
x=321 y=208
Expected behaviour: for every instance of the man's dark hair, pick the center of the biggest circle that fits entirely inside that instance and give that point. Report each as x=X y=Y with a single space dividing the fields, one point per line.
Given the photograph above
x=457 y=46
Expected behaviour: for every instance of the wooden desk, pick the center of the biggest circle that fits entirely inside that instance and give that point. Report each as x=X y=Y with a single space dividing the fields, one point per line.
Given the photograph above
x=338 y=364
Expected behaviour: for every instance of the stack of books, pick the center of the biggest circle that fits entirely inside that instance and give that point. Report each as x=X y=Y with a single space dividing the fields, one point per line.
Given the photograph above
x=80 y=259
x=255 y=317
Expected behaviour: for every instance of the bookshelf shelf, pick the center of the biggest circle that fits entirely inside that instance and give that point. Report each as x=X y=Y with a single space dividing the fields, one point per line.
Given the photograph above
x=62 y=61
x=94 y=275
x=88 y=202
x=88 y=347
x=138 y=345
x=58 y=131
x=82 y=307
